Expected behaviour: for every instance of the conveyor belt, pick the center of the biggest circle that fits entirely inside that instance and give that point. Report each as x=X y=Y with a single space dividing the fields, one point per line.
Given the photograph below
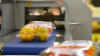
x=18 y=47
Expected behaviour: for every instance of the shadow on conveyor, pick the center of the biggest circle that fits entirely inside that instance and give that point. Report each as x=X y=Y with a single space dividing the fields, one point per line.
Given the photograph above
x=60 y=36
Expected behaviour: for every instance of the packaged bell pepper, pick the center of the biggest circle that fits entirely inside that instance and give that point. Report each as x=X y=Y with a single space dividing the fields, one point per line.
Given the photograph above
x=72 y=48
x=36 y=30
x=44 y=31
x=28 y=31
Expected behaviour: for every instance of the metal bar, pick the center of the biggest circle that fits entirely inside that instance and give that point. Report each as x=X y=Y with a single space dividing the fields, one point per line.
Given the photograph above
x=67 y=34
x=78 y=23
x=60 y=10
x=45 y=18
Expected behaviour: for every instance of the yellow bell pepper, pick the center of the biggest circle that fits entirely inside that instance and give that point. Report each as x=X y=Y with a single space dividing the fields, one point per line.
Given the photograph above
x=27 y=33
x=42 y=32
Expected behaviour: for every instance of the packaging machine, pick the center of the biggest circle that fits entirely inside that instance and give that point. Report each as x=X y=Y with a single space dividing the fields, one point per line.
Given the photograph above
x=74 y=22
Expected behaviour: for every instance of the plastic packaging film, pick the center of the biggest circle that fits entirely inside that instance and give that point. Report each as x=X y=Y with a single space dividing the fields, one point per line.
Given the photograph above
x=36 y=31
x=69 y=48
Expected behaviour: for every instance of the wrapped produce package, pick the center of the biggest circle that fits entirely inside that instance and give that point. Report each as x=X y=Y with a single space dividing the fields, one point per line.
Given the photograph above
x=27 y=32
x=44 y=31
x=36 y=31
x=69 y=48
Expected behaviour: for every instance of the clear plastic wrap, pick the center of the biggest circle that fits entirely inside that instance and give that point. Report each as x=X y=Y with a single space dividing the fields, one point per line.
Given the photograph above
x=44 y=31
x=36 y=31
x=28 y=31
x=69 y=48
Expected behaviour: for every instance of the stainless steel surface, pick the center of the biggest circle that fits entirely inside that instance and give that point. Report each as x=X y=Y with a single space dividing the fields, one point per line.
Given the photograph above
x=36 y=0
x=79 y=12
x=7 y=22
x=67 y=21
x=78 y=23
x=0 y=1
x=96 y=19
x=9 y=37
x=70 y=24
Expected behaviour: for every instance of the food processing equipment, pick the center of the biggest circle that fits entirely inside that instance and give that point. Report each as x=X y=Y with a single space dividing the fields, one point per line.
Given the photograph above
x=76 y=19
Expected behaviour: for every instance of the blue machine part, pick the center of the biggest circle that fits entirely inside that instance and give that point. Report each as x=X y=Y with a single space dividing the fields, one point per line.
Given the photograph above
x=18 y=47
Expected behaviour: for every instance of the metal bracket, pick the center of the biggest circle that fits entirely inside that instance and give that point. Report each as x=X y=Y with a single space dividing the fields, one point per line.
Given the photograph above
x=78 y=23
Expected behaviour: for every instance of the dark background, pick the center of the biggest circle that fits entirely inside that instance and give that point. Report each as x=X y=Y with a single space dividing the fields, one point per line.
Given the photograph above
x=96 y=3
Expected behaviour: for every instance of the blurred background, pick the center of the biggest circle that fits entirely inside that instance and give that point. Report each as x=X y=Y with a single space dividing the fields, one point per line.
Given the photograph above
x=94 y=6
